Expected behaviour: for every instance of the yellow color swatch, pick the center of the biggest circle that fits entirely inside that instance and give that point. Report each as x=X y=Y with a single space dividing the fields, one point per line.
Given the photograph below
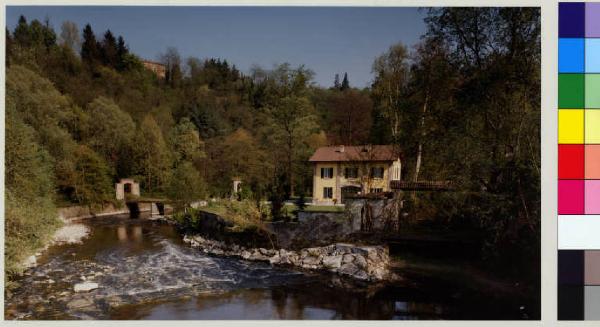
x=570 y=126
x=592 y=126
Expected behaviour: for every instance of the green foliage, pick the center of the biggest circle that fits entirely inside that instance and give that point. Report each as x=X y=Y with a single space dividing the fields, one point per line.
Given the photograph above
x=186 y=185
x=91 y=180
x=186 y=142
x=29 y=225
x=110 y=130
x=152 y=157
x=30 y=215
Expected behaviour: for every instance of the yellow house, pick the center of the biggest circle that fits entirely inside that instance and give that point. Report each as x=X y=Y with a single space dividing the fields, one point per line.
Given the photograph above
x=340 y=171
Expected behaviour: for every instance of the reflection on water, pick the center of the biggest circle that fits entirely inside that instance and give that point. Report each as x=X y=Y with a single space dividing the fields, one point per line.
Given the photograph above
x=144 y=271
x=129 y=233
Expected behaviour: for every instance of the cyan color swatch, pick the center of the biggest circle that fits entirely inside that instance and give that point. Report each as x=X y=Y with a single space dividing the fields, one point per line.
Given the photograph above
x=571 y=55
x=592 y=56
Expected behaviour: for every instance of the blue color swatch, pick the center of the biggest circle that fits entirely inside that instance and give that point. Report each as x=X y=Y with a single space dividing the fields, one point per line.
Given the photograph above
x=571 y=55
x=571 y=19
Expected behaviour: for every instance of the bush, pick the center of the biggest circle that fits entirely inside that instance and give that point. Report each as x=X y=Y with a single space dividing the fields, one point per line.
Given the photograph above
x=29 y=225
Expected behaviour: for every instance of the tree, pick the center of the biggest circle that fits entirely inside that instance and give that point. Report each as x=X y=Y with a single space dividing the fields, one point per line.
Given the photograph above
x=290 y=124
x=336 y=82
x=186 y=185
x=92 y=182
x=152 y=156
x=112 y=129
x=389 y=87
x=109 y=50
x=345 y=83
x=90 y=53
x=22 y=34
x=69 y=35
x=238 y=155
x=186 y=143
x=349 y=118
x=172 y=62
x=122 y=54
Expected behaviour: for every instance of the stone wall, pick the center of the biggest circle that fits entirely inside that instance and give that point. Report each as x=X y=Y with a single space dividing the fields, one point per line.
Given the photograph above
x=80 y=212
x=374 y=213
x=367 y=263
x=312 y=229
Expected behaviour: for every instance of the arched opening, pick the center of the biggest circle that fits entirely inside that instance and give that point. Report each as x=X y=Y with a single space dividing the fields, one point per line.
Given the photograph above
x=127 y=188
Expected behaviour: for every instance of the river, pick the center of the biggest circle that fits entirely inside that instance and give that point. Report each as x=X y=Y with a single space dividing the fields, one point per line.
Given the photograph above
x=145 y=271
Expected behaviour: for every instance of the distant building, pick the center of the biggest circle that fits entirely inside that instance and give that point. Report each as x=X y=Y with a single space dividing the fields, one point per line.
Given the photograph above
x=157 y=68
x=125 y=187
x=340 y=171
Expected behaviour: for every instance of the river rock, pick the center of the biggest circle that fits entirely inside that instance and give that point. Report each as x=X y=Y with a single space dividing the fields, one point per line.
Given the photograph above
x=347 y=258
x=30 y=262
x=360 y=261
x=276 y=259
x=332 y=262
x=85 y=287
x=80 y=303
x=311 y=261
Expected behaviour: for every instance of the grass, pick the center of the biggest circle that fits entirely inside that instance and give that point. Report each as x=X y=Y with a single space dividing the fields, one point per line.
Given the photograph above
x=29 y=226
x=243 y=214
x=315 y=208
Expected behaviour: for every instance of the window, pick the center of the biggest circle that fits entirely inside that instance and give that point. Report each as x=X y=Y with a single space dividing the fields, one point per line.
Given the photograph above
x=377 y=172
x=327 y=172
x=351 y=172
x=376 y=190
x=328 y=193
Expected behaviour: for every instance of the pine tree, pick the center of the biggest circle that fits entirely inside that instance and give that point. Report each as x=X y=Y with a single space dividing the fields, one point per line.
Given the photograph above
x=336 y=82
x=109 y=50
x=345 y=83
x=89 y=48
x=22 y=33
x=122 y=52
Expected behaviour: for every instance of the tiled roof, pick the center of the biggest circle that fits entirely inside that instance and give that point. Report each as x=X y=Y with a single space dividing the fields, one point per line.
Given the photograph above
x=355 y=153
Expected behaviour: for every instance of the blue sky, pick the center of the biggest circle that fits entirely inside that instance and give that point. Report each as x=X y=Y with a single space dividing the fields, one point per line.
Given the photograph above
x=328 y=40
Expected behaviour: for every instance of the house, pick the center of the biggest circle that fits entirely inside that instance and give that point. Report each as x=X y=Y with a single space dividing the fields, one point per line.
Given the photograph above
x=340 y=171
x=156 y=67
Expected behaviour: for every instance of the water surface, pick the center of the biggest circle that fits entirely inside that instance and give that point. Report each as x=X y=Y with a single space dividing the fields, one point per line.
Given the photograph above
x=145 y=271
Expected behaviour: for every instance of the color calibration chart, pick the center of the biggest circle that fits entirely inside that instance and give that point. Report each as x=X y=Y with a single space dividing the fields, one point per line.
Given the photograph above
x=579 y=161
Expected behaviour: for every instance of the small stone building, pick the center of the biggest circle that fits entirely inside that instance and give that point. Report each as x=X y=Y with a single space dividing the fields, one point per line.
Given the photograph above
x=126 y=186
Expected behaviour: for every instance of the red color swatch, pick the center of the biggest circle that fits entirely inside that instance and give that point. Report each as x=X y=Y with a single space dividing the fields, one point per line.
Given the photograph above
x=571 y=161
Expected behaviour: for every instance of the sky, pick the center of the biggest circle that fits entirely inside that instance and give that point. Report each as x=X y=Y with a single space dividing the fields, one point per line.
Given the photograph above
x=327 y=40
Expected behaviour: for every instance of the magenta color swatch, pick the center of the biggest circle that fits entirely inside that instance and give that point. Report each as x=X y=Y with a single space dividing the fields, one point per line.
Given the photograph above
x=592 y=20
x=592 y=197
x=571 y=197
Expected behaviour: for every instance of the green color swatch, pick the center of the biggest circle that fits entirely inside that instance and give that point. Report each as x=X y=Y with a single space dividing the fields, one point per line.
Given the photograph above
x=571 y=91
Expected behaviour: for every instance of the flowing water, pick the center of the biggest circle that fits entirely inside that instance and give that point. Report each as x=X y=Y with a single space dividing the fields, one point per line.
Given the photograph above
x=145 y=271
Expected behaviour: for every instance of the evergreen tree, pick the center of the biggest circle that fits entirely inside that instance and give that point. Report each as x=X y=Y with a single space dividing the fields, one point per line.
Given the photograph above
x=336 y=82
x=122 y=52
x=345 y=84
x=89 y=49
x=109 y=50
x=22 y=33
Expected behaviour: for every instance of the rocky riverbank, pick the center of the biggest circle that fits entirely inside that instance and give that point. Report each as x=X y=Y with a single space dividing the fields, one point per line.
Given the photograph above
x=70 y=233
x=366 y=263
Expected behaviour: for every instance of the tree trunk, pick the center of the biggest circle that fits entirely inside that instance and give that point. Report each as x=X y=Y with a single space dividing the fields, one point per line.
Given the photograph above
x=421 y=139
